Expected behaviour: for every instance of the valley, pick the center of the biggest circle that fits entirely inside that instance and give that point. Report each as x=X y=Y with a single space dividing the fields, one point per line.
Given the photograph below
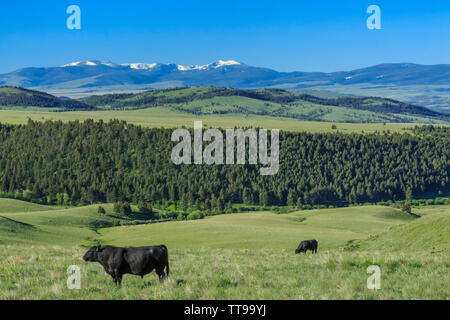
x=217 y=104
x=232 y=256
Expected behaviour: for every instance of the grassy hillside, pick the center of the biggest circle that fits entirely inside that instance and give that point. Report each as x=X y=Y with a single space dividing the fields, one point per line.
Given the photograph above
x=270 y=102
x=261 y=230
x=167 y=118
x=331 y=227
x=429 y=233
x=24 y=99
x=73 y=226
x=205 y=101
x=240 y=256
x=435 y=97
x=11 y=205
x=49 y=225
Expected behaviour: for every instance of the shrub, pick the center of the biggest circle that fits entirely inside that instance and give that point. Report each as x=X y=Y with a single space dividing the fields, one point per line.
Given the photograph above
x=126 y=209
x=123 y=209
x=142 y=207
x=30 y=195
x=406 y=208
x=101 y=210
x=172 y=207
x=193 y=216
x=117 y=207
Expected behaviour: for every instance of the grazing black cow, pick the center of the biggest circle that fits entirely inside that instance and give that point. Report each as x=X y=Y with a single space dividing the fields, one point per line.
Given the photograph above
x=307 y=245
x=138 y=261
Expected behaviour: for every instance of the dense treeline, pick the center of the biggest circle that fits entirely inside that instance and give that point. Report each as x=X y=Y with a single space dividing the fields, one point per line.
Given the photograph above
x=16 y=96
x=92 y=162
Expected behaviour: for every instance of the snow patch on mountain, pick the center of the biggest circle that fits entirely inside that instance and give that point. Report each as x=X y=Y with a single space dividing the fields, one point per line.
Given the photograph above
x=90 y=63
x=221 y=63
x=149 y=66
x=209 y=66
x=140 y=65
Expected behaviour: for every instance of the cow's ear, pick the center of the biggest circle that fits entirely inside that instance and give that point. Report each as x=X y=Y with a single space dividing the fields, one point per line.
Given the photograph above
x=99 y=248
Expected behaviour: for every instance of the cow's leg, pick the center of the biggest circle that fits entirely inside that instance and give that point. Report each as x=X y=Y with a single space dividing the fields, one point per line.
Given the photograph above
x=116 y=277
x=161 y=274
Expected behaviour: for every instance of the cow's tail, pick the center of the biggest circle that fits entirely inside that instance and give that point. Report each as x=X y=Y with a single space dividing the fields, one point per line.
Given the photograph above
x=167 y=259
x=167 y=267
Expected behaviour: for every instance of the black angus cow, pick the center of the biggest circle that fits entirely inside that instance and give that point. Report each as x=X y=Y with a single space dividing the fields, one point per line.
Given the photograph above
x=138 y=261
x=307 y=245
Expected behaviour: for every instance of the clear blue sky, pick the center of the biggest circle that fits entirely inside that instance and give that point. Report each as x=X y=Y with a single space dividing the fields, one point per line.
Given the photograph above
x=283 y=35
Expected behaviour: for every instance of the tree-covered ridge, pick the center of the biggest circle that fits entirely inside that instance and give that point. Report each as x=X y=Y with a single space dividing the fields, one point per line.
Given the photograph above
x=15 y=96
x=273 y=102
x=210 y=100
x=106 y=162
x=158 y=97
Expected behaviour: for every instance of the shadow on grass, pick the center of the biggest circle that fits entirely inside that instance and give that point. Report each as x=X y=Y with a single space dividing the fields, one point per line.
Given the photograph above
x=133 y=216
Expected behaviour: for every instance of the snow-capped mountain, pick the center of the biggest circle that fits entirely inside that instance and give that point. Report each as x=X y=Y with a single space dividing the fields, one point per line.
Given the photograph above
x=140 y=65
x=93 y=63
x=94 y=75
x=149 y=66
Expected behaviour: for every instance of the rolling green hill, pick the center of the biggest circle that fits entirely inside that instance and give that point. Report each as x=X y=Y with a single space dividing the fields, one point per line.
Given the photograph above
x=429 y=233
x=331 y=227
x=238 y=256
x=24 y=99
x=11 y=205
x=207 y=101
x=22 y=222
x=269 y=102
x=74 y=226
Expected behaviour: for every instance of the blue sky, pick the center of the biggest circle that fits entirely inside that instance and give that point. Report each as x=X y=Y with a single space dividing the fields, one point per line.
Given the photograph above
x=283 y=35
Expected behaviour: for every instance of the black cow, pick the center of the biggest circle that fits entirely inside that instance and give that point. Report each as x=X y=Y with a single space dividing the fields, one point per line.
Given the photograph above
x=307 y=245
x=138 y=261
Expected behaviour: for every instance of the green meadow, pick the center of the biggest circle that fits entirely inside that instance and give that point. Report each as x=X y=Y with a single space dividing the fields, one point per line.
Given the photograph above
x=230 y=256
x=162 y=117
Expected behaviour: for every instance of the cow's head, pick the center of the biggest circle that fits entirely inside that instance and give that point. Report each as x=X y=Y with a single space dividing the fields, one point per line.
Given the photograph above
x=92 y=254
x=300 y=249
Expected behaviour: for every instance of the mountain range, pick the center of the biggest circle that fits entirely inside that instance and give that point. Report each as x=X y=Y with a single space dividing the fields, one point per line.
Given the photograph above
x=427 y=85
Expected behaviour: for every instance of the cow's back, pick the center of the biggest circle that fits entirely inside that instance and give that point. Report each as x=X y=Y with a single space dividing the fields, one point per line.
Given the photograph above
x=142 y=260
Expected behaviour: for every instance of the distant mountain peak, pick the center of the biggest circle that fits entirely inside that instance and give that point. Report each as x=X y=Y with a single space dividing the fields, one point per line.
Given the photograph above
x=148 y=66
x=222 y=63
x=90 y=63
x=140 y=65
x=213 y=65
